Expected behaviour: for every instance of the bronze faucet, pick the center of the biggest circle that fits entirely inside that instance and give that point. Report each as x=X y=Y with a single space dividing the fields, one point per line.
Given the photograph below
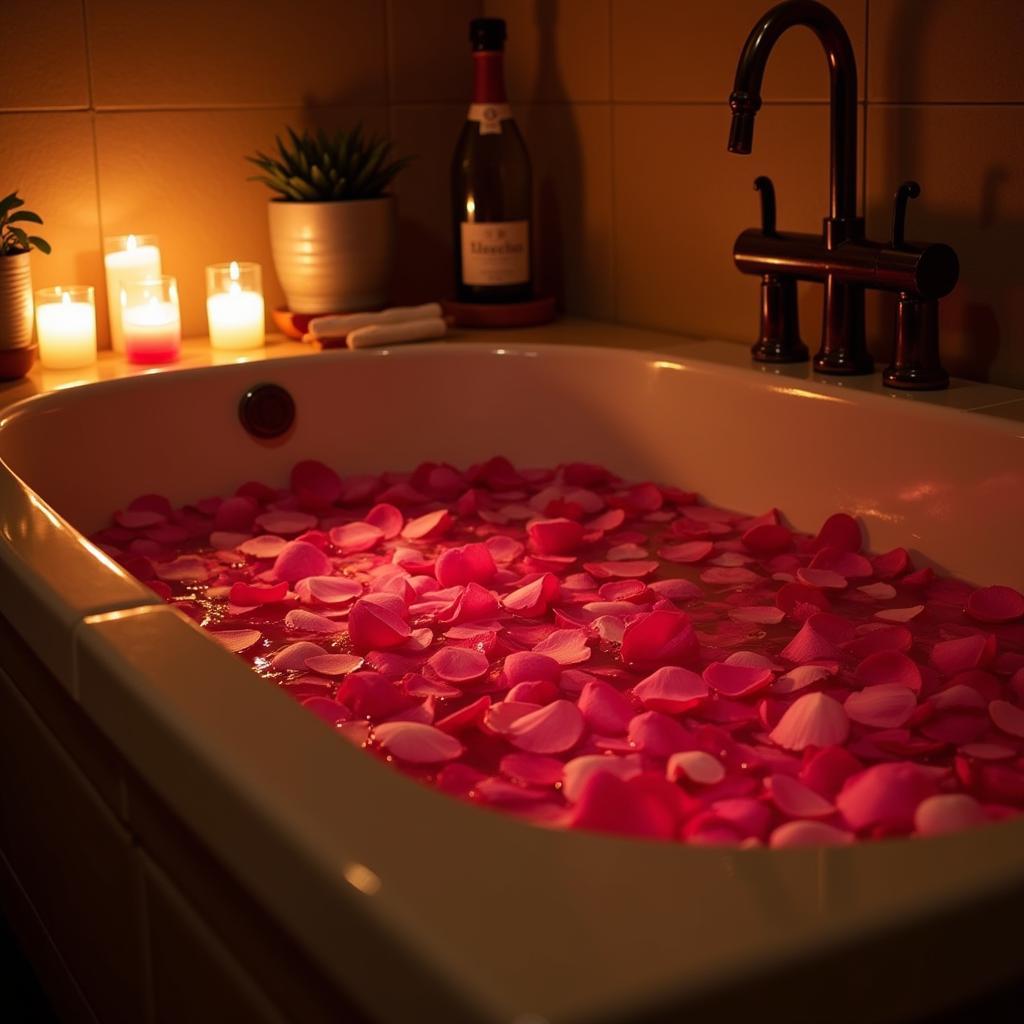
x=840 y=256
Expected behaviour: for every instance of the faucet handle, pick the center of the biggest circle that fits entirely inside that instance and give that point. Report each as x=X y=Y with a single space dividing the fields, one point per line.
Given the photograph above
x=763 y=184
x=908 y=190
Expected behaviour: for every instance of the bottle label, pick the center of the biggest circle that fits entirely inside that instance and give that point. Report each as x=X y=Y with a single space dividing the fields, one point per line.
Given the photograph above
x=497 y=253
x=489 y=116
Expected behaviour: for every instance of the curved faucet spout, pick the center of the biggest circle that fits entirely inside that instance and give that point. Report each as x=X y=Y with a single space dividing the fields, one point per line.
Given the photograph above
x=746 y=97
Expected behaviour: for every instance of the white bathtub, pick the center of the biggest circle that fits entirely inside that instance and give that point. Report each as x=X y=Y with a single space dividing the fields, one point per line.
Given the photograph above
x=210 y=812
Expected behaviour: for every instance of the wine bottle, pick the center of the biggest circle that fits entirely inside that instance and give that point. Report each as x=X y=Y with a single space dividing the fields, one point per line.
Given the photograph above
x=491 y=200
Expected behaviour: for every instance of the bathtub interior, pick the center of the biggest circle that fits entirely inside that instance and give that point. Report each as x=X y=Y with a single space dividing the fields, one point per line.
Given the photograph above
x=670 y=919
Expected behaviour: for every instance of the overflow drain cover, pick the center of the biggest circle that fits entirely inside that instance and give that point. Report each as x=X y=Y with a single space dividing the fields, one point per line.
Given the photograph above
x=267 y=411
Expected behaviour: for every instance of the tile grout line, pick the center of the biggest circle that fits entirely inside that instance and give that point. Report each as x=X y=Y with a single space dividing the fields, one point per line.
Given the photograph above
x=388 y=64
x=612 y=261
x=95 y=137
x=864 y=148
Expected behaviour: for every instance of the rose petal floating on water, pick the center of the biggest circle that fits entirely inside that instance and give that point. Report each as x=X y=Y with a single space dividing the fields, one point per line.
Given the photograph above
x=578 y=770
x=879 y=591
x=947 y=812
x=328 y=589
x=236 y=640
x=607 y=803
x=961 y=654
x=417 y=743
x=554 y=536
x=309 y=622
x=265 y=546
x=768 y=539
x=531 y=769
x=626 y=552
x=824 y=579
x=839 y=531
x=376 y=622
x=795 y=799
x=534 y=598
x=676 y=589
x=996 y=604
x=808 y=833
x=891 y=564
x=671 y=689
x=355 y=537
x=988 y=751
x=800 y=601
x=660 y=636
x=736 y=680
x=298 y=559
x=800 y=677
x=225 y=540
x=1007 y=717
x=315 y=484
x=621 y=570
x=899 y=614
x=888 y=667
x=687 y=552
x=469 y=715
x=885 y=795
x=604 y=708
x=334 y=664
x=732 y=577
x=694 y=766
x=471 y=563
x=459 y=665
x=293 y=658
x=813 y=720
x=428 y=526
x=886 y=706
x=548 y=730
x=566 y=646
x=285 y=523
x=251 y=594
x=183 y=569
x=845 y=563
x=765 y=615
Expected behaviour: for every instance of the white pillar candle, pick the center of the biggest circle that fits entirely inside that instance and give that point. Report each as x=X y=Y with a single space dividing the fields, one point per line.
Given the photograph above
x=234 y=306
x=66 y=326
x=129 y=258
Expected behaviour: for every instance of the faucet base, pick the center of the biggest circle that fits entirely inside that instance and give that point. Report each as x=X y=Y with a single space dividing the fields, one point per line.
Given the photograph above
x=780 y=352
x=843 y=350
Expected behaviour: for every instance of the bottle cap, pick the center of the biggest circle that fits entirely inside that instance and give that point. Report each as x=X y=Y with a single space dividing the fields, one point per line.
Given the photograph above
x=487 y=33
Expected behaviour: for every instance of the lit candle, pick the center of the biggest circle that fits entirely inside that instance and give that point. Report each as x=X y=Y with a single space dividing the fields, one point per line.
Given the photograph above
x=234 y=305
x=66 y=325
x=128 y=258
x=151 y=320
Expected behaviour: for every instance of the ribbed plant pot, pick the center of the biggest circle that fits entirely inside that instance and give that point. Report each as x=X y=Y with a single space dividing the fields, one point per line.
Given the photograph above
x=15 y=301
x=333 y=257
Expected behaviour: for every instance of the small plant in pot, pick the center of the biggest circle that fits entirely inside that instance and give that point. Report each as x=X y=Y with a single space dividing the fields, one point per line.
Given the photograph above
x=332 y=219
x=16 y=350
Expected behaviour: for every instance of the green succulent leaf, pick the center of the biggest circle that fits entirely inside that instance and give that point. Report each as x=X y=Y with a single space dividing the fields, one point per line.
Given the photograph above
x=28 y=215
x=40 y=243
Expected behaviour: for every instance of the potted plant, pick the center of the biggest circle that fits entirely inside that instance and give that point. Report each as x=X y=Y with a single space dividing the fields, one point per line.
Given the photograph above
x=332 y=220
x=16 y=349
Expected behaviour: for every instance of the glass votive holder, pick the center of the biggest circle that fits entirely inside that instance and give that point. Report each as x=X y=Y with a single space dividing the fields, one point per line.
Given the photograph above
x=127 y=258
x=234 y=305
x=66 y=326
x=151 y=320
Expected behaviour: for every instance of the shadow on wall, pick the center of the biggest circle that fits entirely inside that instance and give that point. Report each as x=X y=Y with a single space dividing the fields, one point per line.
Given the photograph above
x=556 y=158
x=973 y=319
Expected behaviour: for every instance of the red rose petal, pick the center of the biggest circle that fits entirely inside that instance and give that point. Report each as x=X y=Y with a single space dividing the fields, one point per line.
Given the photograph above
x=334 y=664
x=688 y=552
x=285 y=523
x=808 y=833
x=251 y=594
x=694 y=766
x=375 y=622
x=620 y=570
x=659 y=636
x=886 y=706
x=293 y=657
x=888 y=667
x=355 y=537
x=314 y=484
x=963 y=653
x=839 y=531
x=768 y=539
x=548 y=730
x=885 y=795
x=609 y=804
x=532 y=769
x=327 y=589
x=459 y=665
x=813 y=720
x=471 y=563
x=309 y=622
x=996 y=604
x=236 y=640
x=298 y=560
x=736 y=680
x=265 y=546
x=671 y=689
x=947 y=812
x=795 y=799
x=417 y=743
x=605 y=710
x=566 y=646
x=1007 y=717
x=554 y=536
x=429 y=526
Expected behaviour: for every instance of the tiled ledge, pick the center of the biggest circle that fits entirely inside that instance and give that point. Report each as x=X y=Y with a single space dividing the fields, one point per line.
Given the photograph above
x=992 y=399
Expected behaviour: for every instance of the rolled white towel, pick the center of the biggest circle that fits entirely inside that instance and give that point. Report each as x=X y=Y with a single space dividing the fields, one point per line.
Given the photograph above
x=339 y=326
x=393 y=334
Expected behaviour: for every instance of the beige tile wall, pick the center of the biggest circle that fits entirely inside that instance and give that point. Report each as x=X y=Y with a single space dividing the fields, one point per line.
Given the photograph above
x=139 y=117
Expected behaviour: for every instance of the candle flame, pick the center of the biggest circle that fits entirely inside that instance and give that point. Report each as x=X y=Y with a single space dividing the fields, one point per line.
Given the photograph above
x=131 y=243
x=234 y=271
x=235 y=288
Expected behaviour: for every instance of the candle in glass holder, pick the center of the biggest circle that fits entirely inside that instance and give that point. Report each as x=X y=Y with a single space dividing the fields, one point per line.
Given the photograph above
x=234 y=305
x=151 y=320
x=127 y=258
x=66 y=326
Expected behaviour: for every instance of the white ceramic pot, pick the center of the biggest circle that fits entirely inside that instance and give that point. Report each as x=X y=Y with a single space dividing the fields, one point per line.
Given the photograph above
x=333 y=257
x=15 y=301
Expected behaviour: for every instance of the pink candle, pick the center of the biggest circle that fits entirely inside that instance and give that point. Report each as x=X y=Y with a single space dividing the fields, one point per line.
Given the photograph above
x=151 y=321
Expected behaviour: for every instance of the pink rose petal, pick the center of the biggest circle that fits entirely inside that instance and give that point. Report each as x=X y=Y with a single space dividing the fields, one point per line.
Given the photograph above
x=417 y=743
x=879 y=591
x=548 y=730
x=429 y=526
x=888 y=667
x=533 y=598
x=695 y=766
x=355 y=537
x=886 y=706
x=236 y=640
x=459 y=665
x=839 y=531
x=961 y=654
x=236 y=514
x=947 y=812
x=328 y=589
x=764 y=615
x=1007 y=717
x=265 y=546
x=334 y=664
x=376 y=622
x=808 y=833
x=285 y=523
x=527 y=666
x=309 y=622
x=846 y=563
x=736 y=680
x=293 y=657
x=554 y=536
x=658 y=735
x=729 y=576
x=688 y=552
x=621 y=570
x=532 y=769
x=298 y=560
x=671 y=689
x=813 y=720
x=314 y=484
x=899 y=614
x=795 y=799
x=768 y=539
x=184 y=569
x=676 y=589
x=580 y=769
x=885 y=795
x=879 y=638
x=660 y=636
x=605 y=710
x=610 y=804
x=996 y=604
x=251 y=594
x=800 y=677
x=566 y=646
x=824 y=579
x=386 y=518
x=471 y=563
